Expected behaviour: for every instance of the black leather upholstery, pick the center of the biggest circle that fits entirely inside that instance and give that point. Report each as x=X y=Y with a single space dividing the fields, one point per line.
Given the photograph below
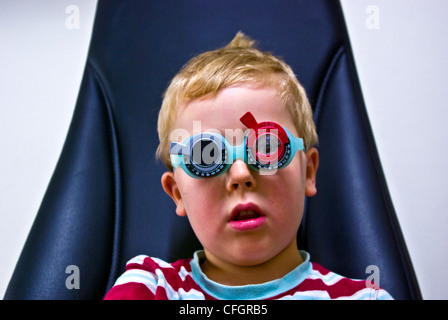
x=105 y=204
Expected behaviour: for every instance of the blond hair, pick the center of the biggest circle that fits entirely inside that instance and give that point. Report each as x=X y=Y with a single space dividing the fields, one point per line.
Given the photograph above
x=205 y=75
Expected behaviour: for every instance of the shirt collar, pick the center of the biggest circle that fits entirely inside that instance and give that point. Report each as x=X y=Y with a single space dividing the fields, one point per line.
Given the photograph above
x=251 y=291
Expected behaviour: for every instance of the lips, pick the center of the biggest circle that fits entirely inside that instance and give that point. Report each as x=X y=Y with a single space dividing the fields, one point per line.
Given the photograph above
x=246 y=217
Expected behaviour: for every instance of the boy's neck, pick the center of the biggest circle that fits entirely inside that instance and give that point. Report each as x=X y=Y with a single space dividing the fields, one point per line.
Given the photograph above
x=234 y=275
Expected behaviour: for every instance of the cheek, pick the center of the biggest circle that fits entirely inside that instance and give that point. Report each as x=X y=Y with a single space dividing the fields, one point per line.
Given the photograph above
x=201 y=200
x=287 y=190
x=196 y=197
x=194 y=192
x=203 y=207
x=291 y=182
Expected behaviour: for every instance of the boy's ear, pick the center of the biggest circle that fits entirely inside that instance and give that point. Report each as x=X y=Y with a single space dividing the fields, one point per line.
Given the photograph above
x=171 y=188
x=312 y=163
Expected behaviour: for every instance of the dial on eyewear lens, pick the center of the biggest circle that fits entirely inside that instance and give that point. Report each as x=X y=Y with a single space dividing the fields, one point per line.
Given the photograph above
x=205 y=152
x=267 y=144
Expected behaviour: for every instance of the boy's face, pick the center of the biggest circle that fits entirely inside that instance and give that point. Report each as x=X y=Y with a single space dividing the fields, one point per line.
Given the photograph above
x=211 y=204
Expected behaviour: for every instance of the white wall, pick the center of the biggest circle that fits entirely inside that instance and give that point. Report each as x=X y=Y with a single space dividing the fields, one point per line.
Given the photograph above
x=400 y=55
x=42 y=59
x=403 y=68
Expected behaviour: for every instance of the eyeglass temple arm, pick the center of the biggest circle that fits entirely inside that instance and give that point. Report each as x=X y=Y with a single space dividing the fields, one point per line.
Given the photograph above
x=179 y=149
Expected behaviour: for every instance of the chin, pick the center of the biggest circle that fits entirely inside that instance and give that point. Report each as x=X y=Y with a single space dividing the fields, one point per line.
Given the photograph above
x=251 y=257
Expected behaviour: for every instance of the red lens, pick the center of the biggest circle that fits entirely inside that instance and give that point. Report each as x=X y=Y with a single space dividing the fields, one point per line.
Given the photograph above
x=266 y=140
x=267 y=144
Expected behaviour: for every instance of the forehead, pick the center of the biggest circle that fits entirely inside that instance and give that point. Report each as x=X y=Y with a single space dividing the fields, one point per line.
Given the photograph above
x=225 y=110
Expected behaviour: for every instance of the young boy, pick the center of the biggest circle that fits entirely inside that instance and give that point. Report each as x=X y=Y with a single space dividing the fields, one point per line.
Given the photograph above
x=237 y=135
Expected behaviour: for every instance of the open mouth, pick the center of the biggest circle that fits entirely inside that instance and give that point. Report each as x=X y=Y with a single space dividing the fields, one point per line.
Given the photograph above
x=246 y=217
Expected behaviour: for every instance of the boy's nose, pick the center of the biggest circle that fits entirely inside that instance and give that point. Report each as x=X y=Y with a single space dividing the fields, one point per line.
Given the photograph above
x=240 y=177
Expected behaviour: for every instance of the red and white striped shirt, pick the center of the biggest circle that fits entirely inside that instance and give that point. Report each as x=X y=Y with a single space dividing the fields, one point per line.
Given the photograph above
x=149 y=278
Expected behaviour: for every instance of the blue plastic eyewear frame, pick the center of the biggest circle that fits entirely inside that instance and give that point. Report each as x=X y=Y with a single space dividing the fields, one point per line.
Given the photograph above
x=208 y=154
